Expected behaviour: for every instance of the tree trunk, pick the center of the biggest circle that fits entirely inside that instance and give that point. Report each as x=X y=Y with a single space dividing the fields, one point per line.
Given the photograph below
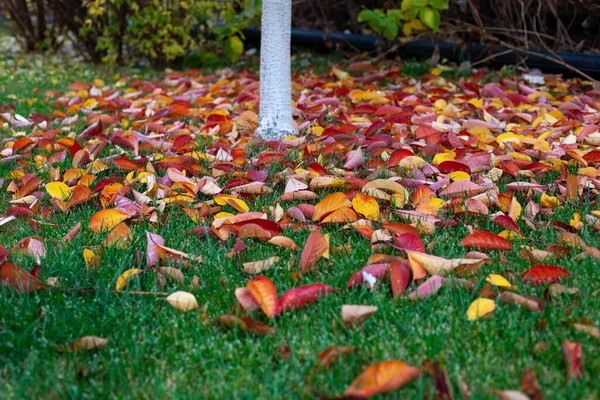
x=275 y=76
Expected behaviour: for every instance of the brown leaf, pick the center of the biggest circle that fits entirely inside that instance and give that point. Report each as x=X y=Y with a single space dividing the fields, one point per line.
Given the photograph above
x=440 y=379
x=513 y=298
x=530 y=385
x=19 y=279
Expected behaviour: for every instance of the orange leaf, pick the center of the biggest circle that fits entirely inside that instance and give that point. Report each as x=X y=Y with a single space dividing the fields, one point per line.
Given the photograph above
x=381 y=378
x=486 y=240
x=366 y=205
x=315 y=247
x=284 y=242
x=329 y=204
x=265 y=294
x=400 y=277
x=343 y=215
x=80 y=194
x=105 y=220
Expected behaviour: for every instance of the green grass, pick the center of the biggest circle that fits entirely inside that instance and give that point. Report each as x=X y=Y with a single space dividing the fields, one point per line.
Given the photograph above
x=156 y=351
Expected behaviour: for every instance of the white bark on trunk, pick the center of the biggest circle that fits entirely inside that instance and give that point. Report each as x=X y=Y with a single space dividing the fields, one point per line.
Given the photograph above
x=275 y=75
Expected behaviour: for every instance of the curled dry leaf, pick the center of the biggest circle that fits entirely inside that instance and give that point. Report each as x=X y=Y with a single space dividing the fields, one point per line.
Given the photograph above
x=174 y=274
x=85 y=343
x=256 y=267
x=247 y=324
x=183 y=301
x=354 y=314
x=480 y=308
x=381 y=378
x=168 y=254
x=529 y=303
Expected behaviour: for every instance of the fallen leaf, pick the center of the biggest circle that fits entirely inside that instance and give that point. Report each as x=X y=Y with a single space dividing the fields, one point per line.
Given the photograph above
x=315 y=247
x=256 y=267
x=381 y=378
x=514 y=298
x=183 y=301
x=105 y=220
x=480 y=308
x=354 y=314
x=573 y=356
x=247 y=324
x=303 y=295
x=16 y=277
x=540 y=274
x=58 y=190
x=125 y=277
x=265 y=294
x=329 y=356
x=86 y=343
x=401 y=276
x=484 y=240
x=530 y=385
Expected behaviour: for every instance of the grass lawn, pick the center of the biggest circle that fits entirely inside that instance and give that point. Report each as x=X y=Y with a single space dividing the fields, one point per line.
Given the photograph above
x=156 y=351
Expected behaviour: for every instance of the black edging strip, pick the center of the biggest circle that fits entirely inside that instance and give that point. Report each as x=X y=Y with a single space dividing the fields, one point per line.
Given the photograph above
x=588 y=63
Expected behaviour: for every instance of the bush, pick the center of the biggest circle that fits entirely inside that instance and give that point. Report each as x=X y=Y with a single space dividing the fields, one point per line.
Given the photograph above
x=160 y=31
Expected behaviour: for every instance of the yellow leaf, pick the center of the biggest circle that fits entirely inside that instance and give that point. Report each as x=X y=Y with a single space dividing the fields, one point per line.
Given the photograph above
x=88 y=256
x=105 y=220
x=480 y=307
x=549 y=201
x=366 y=205
x=459 y=176
x=441 y=157
x=234 y=202
x=183 y=301
x=58 y=190
x=125 y=277
x=499 y=280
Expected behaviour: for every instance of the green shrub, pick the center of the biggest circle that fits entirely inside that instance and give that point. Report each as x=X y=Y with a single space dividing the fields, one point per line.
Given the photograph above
x=412 y=15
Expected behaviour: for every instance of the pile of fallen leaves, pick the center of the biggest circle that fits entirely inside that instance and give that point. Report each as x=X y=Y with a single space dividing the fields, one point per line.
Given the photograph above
x=392 y=158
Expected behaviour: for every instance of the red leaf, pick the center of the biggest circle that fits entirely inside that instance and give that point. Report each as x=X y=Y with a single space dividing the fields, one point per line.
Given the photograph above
x=399 y=155
x=303 y=295
x=506 y=222
x=409 y=241
x=316 y=245
x=483 y=240
x=540 y=274
x=375 y=270
x=19 y=279
x=573 y=355
x=400 y=277
x=447 y=167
